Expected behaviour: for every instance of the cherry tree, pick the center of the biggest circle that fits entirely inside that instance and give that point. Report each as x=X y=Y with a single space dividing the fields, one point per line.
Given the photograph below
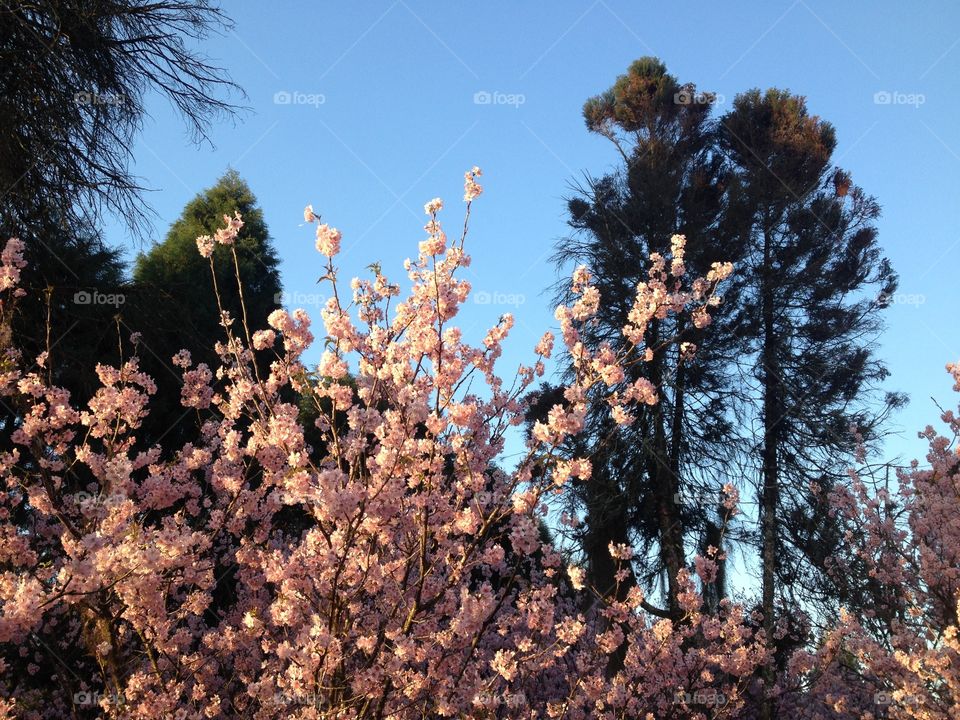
x=394 y=569
x=901 y=656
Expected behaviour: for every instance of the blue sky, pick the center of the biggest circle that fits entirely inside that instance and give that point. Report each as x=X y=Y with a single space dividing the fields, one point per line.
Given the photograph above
x=367 y=110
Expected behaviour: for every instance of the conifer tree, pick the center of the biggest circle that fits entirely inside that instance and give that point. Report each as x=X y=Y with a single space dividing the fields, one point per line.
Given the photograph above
x=173 y=304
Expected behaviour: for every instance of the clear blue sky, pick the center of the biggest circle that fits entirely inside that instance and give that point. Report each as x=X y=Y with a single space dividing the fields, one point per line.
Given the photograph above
x=382 y=116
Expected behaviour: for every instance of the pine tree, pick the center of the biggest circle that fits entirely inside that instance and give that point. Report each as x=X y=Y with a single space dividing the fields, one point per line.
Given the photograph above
x=75 y=289
x=816 y=285
x=670 y=182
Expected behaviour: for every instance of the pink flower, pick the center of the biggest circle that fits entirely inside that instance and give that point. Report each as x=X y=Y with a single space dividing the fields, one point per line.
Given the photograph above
x=279 y=319
x=11 y=263
x=196 y=391
x=471 y=190
x=706 y=569
x=328 y=240
x=182 y=359
x=621 y=416
x=436 y=244
x=545 y=345
x=205 y=245
x=226 y=235
x=701 y=318
x=677 y=243
x=504 y=664
x=577 y=576
x=263 y=339
x=620 y=551
x=332 y=366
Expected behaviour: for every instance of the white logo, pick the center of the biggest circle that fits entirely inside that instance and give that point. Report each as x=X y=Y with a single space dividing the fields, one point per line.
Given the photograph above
x=499 y=298
x=83 y=297
x=484 y=97
x=299 y=299
x=689 y=97
x=887 y=97
x=295 y=97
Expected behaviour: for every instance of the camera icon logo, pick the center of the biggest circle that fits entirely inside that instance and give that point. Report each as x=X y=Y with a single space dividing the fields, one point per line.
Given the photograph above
x=883 y=698
x=86 y=698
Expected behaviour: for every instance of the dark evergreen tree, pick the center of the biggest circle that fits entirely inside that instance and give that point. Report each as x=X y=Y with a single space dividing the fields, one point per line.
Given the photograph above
x=173 y=304
x=73 y=78
x=670 y=182
x=817 y=283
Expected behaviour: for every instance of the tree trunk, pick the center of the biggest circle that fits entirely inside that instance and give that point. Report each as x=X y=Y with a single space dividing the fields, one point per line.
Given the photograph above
x=772 y=390
x=606 y=523
x=662 y=465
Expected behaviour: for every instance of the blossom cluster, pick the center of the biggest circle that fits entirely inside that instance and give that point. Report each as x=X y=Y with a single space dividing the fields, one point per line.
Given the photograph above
x=11 y=263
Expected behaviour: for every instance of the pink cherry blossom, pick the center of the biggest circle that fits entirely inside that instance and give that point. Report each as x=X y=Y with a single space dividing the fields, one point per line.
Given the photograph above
x=205 y=245
x=328 y=240
x=471 y=189
x=378 y=562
